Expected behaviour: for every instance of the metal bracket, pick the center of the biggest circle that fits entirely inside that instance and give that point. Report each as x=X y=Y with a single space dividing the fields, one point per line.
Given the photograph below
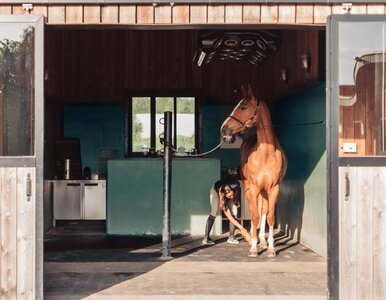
x=27 y=7
x=347 y=7
x=28 y=187
x=347 y=191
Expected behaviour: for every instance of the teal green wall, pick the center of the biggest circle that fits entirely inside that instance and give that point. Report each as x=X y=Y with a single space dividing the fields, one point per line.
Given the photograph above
x=97 y=127
x=214 y=116
x=301 y=128
x=135 y=195
x=103 y=127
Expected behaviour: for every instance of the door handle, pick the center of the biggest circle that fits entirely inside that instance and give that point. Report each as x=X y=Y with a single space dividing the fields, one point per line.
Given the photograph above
x=347 y=191
x=28 y=188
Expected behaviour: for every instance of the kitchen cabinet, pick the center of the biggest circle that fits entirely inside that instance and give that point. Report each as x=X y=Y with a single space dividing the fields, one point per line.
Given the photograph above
x=79 y=200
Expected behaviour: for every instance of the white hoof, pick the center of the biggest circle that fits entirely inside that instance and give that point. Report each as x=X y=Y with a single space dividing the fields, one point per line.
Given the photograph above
x=271 y=252
x=252 y=253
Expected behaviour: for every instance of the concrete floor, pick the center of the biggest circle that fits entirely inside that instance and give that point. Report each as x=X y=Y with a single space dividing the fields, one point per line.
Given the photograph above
x=81 y=262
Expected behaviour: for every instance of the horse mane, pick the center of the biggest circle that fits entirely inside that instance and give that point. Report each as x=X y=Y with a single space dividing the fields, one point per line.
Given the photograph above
x=246 y=149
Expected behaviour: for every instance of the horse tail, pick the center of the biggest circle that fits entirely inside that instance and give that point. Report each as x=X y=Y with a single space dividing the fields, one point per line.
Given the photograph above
x=245 y=150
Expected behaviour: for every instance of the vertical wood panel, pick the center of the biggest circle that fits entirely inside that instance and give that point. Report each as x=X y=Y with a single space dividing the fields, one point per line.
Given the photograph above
x=269 y=14
x=5 y=9
x=92 y=14
x=127 y=14
x=18 y=10
x=365 y=80
x=149 y=62
x=305 y=13
x=180 y=14
x=338 y=9
x=56 y=14
x=216 y=14
x=2 y=201
x=163 y=14
x=287 y=14
x=321 y=12
x=145 y=14
x=360 y=120
x=198 y=14
x=40 y=10
x=365 y=233
x=9 y=227
x=110 y=14
x=25 y=235
x=233 y=14
x=348 y=235
x=251 y=13
x=359 y=9
x=379 y=226
x=74 y=14
x=375 y=9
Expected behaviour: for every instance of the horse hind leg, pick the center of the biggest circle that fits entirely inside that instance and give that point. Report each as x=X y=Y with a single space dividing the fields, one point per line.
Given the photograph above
x=263 y=209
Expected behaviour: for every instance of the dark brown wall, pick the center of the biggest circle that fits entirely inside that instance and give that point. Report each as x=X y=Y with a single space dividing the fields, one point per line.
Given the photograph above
x=99 y=66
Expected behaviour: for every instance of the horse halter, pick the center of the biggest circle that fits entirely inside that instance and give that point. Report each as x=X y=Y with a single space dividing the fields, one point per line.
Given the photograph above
x=250 y=122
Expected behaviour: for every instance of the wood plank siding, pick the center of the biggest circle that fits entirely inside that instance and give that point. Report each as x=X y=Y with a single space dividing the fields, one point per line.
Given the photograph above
x=150 y=59
x=17 y=236
x=362 y=243
x=188 y=14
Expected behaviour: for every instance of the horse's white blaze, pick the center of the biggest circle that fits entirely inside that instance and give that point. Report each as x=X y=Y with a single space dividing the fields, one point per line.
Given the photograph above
x=262 y=228
x=270 y=238
x=231 y=114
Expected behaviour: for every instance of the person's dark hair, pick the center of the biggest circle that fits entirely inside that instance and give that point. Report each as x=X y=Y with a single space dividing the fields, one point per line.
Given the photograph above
x=226 y=189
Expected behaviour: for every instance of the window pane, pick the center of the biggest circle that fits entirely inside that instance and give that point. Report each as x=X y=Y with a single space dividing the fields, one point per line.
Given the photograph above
x=141 y=123
x=185 y=123
x=162 y=104
x=362 y=104
x=17 y=44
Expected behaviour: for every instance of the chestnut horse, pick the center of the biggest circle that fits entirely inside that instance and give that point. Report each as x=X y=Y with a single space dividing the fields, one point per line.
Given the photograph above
x=263 y=165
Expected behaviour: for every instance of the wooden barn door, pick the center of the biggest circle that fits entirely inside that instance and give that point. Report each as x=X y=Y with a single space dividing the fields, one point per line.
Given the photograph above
x=21 y=156
x=357 y=157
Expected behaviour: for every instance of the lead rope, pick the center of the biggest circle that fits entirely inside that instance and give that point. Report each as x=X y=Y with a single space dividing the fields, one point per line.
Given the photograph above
x=162 y=140
x=205 y=153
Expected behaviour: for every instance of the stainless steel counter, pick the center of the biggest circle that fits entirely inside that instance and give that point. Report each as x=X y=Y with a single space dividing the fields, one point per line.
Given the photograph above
x=79 y=200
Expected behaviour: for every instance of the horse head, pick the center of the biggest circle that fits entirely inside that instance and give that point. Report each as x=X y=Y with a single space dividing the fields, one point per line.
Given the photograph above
x=243 y=116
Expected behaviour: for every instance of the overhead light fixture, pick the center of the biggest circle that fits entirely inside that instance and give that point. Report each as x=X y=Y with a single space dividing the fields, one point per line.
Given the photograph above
x=252 y=46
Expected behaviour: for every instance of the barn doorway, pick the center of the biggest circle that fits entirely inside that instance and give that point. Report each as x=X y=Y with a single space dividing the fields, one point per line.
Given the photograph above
x=92 y=74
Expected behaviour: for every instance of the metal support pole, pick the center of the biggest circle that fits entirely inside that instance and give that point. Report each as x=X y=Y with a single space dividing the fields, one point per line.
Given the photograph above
x=166 y=238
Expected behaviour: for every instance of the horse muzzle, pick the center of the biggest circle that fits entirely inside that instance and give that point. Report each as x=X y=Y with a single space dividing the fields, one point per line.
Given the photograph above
x=227 y=134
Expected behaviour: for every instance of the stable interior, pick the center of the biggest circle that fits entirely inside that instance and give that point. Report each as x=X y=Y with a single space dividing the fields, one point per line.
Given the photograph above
x=91 y=76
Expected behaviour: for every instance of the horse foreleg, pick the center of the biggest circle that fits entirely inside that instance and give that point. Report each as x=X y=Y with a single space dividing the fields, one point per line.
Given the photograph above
x=253 y=211
x=271 y=220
